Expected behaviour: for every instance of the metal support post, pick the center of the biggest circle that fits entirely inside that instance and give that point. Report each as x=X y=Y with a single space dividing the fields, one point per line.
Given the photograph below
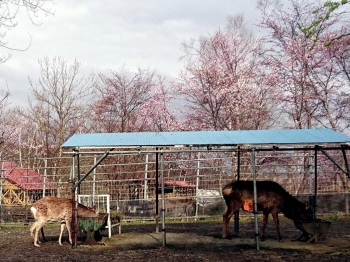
x=255 y=201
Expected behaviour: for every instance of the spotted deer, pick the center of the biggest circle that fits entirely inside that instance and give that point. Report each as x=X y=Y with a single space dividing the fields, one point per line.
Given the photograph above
x=57 y=210
x=271 y=198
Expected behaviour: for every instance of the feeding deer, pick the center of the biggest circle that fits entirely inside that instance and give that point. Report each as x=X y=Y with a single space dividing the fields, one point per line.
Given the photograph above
x=57 y=210
x=271 y=198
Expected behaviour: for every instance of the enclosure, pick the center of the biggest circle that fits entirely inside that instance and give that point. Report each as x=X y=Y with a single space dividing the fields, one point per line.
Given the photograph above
x=186 y=179
x=193 y=178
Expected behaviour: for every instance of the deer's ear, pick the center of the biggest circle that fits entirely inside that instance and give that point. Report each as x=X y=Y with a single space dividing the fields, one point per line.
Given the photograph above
x=95 y=209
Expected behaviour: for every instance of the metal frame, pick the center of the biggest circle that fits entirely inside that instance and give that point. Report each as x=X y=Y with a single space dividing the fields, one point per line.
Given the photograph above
x=209 y=148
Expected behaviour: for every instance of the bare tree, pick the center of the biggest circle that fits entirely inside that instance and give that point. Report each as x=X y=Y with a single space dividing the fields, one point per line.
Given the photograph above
x=8 y=12
x=3 y=98
x=58 y=103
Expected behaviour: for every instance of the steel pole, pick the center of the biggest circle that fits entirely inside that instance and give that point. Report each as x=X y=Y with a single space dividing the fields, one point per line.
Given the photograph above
x=163 y=199
x=255 y=201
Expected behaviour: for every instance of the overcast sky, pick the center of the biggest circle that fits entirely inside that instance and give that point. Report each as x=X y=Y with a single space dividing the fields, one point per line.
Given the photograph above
x=104 y=35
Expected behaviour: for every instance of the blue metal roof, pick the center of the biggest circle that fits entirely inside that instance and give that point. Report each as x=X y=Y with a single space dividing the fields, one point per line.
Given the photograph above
x=204 y=138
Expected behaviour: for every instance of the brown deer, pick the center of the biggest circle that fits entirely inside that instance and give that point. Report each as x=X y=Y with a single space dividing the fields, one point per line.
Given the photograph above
x=271 y=198
x=58 y=210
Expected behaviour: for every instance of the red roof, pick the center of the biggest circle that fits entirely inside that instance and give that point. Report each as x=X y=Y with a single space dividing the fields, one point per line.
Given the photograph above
x=25 y=178
x=179 y=183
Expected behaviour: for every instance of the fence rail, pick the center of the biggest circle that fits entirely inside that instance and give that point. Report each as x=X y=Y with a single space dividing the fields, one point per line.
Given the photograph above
x=193 y=179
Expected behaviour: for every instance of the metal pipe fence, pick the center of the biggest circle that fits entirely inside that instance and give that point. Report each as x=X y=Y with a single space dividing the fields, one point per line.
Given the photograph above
x=193 y=181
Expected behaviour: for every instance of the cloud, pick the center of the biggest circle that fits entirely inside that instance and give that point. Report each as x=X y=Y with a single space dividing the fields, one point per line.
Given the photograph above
x=104 y=35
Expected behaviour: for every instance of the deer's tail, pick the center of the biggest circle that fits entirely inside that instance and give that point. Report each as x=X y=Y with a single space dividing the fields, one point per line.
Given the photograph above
x=227 y=189
x=34 y=211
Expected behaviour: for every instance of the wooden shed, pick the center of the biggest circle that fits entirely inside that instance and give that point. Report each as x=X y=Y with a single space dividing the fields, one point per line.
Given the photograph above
x=20 y=186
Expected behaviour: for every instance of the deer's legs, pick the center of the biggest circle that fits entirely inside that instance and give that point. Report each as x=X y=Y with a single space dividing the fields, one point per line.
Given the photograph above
x=32 y=229
x=33 y=232
x=226 y=226
x=42 y=234
x=69 y=229
x=38 y=226
x=265 y=220
x=277 y=223
x=62 y=229
x=233 y=203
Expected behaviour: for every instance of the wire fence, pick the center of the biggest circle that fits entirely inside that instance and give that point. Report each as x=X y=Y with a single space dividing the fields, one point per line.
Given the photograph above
x=193 y=180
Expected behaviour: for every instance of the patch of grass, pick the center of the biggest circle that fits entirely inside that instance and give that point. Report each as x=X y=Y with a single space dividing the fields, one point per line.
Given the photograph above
x=333 y=216
x=9 y=226
x=12 y=226
x=340 y=252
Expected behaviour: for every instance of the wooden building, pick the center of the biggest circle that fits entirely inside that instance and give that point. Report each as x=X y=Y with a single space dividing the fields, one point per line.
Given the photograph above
x=19 y=186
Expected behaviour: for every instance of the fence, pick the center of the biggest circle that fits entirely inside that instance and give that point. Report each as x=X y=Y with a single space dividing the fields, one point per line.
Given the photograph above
x=193 y=180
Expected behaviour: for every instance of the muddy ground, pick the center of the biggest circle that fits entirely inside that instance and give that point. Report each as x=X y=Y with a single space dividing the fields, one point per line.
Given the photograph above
x=192 y=241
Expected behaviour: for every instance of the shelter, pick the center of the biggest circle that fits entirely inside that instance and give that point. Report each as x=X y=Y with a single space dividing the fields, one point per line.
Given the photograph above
x=20 y=185
x=246 y=138
x=318 y=140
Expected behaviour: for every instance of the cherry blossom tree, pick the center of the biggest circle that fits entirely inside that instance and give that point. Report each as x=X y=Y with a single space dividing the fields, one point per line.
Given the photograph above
x=308 y=75
x=158 y=112
x=131 y=101
x=332 y=80
x=340 y=52
x=311 y=76
x=224 y=81
x=8 y=129
x=11 y=130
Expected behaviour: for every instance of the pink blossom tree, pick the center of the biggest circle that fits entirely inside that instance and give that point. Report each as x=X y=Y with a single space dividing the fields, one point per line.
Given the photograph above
x=311 y=76
x=18 y=135
x=132 y=102
x=311 y=89
x=158 y=113
x=224 y=81
x=9 y=130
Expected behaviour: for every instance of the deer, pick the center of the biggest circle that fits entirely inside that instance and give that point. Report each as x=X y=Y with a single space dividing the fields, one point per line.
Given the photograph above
x=271 y=198
x=57 y=210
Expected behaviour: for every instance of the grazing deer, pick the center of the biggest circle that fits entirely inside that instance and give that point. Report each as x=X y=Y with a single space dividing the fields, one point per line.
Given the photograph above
x=271 y=198
x=58 y=210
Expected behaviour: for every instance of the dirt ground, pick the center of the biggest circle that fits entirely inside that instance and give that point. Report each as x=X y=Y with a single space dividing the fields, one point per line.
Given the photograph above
x=192 y=241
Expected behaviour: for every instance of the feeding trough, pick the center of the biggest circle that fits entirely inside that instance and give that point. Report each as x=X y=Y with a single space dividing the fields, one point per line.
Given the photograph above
x=90 y=225
x=313 y=230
